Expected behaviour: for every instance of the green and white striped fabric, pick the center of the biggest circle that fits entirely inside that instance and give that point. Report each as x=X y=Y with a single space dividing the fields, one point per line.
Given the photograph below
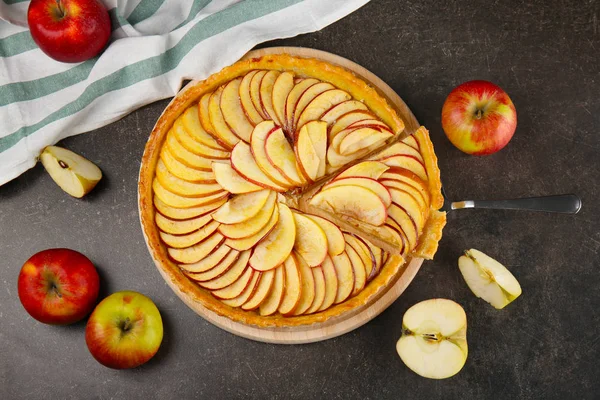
x=155 y=45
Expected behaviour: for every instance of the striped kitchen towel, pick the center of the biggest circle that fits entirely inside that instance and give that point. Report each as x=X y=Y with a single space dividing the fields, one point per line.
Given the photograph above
x=155 y=45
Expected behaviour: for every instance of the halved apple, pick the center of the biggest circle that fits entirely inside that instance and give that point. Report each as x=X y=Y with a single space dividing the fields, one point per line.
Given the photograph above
x=175 y=200
x=244 y=164
x=263 y=288
x=211 y=261
x=191 y=123
x=72 y=173
x=361 y=138
x=364 y=252
x=250 y=241
x=190 y=239
x=407 y=162
x=331 y=283
x=183 y=187
x=400 y=148
x=182 y=171
x=335 y=239
x=258 y=149
x=365 y=169
x=488 y=279
x=277 y=245
x=231 y=181
x=293 y=286
x=281 y=156
x=368 y=183
x=194 y=146
x=246 y=294
x=354 y=201
x=307 y=293
x=186 y=213
x=359 y=269
x=218 y=270
x=255 y=93
x=308 y=96
x=185 y=156
x=217 y=120
x=176 y=227
x=320 y=104
x=319 y=297
x=242 y=207
x=434 y=338
x=196 y=253
x=281 y=89
x=246 y=98
x=340 y=109
x=233 y=113
x=271 y=303
x=311 y=241
x=252 y=225
x=233 y=274
x=345 y=277
x=266 y=94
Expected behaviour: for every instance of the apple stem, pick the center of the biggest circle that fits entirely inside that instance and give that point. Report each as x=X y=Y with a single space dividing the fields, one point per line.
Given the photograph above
x=63 y=164
x=126 y=325
x=479 y=113
x=54 y=288
x=62 y=11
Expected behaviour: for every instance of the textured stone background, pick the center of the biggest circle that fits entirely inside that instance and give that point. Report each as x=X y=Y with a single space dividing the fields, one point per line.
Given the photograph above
x=545 y=54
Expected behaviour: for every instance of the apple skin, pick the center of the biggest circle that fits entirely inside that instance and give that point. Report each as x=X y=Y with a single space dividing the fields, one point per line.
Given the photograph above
x=69 y=30
x=125 y=330
x=58 y=286
x=479 y=118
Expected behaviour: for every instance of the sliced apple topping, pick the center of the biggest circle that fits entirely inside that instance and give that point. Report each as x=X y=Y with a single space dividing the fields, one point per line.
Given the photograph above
x=183 y=187
x=249 y=286
x=281 y=89
x=233 y=112
x=194 y=146
x=345 y=276
x=186 y=213
x=406 y=162
x=217 y=120
x=320 y=104
x=434 y=338
x=307 y=292
x=190 y=239
x=335 y=238
x=266 y=94
x=359 y=269
x=332 y=115
x=292 y=101
x=354 y=201
x=311 y=148
x=255 y=93
x=293 y=286
x=242 y=207
x=177 y=227
x=346 y=120
x=307 y=97
x=488 y=279
x=262 y=290
x=271 y=303
x=72 y=173
x=320 y=290
x=311 y=241
x=331 y=284
x=362 y=138
x=183 y=171
x=191 y=123
x=245 y=165
x=252 y=225
x=365 y=169
x=185 y=156
x=258 y=148
x=231 y=181
x=232 y=282
x=281 y=156
x=219 y=269
x=177 y=201
x=197 y=252
x=277 y=245
x=245 y=92
x=249 y=242
x=380 y=190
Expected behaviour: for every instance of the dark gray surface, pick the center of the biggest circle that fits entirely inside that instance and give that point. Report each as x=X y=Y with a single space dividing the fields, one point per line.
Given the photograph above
x=543 y=346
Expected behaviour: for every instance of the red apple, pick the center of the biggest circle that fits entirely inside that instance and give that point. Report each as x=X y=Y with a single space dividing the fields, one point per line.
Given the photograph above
x=479 y=118
x=69 y=30
x=58 y=286
x=124 y=331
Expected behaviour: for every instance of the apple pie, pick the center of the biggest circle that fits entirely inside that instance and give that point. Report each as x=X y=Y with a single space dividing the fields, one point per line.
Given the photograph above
x=284 y=191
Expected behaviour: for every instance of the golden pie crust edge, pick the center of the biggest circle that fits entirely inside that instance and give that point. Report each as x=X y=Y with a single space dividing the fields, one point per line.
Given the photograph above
x=190 y=292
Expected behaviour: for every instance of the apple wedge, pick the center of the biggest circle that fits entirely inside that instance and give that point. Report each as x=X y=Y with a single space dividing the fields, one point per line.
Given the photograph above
x=331 y=284
x=190 y=239
x=196 y=253
x=222 y=285
x=282 y=157
x=335 y=239
x=191 y=144
x=311 y=241
x=185 y=156
x=266 y=94
x=183 y=187
x=246 y=294
x=359 y=269
x=255 y=93
x=406 y=162
x=380 y=190
x=365 y=169
x=262 y=290
x=191 y=123
x=293 y=286
x=252 y=225
x=219 y=269
x=320 y=104
x=354 y=201
x=434 y=338
x=340 y=109
x=176 y=227
x=217 y=120
x=345 y=277
x=271 y=303
x=258 y=149
x=281 y=89
x=233 y=113
x=292 y=101
x=177 y=201
x=231 y=181
x=277 y=245
x=182 y=171
x=307 y=292
x=361 y=138
x=488 y=279
x=319 y=296
x=209 y=262
x=242 y=207
x=74 y=174
x=244 y=164
x=186 y=213
x=249 y=242
x=307 y=97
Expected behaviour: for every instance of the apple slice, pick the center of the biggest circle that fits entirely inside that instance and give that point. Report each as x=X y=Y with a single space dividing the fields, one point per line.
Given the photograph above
x=404 y=175
x=293 y=286
x=346 y=120
x=317 y=131
x=252 y=225
x=266 y=94
x=373 y=123
x=354 y=201
x=257 y=147
x=277 y=246
x=392 y=228
x=311 y=241
x=246 y=98
x=345 y=277
x=217 y=120
x=190 y=239
x=281 y=89
x=331 y=283
x=183 y=187
x=341 y=109
x=319 y=297
x=306 y=154
x=307 y=97
x=176 y=227
x=281 y=156
x=255 y=93
x=365 y=169
x=488 y=279
x=359 y=269
x=408 y=188
x=367 y=183
x=174 y=200
x=307 y=292
x=244 y=164
x=411 y=206
x=263 y=288
x=412 y=142
x=235 y=288
x=209 y=262
x=361 y=138
x=185 y=156
x=378 y=257
x=400 y=148
x=434 y=338
x=320 y=104
x=186 y=213
x=191 y=123
x=233 y=113
x=246 y=294
x=250 y=241
x=335 y=239
x=405 y=224
x=271 y=303
x=196 y=253
x=218 y=270
x=363 y=251
x=182 y=171
x=233 y=274
x=72 y=173
x=231 y=181
x=337 y=160
x=187 y=141
x=242 y=207
x=292 y=101
x=407 y=162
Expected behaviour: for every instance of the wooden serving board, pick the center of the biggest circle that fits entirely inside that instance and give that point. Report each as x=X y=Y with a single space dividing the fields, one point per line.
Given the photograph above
x=352 y=319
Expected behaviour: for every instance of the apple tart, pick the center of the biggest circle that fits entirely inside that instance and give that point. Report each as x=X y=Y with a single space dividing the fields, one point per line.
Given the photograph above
x=284 y=191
